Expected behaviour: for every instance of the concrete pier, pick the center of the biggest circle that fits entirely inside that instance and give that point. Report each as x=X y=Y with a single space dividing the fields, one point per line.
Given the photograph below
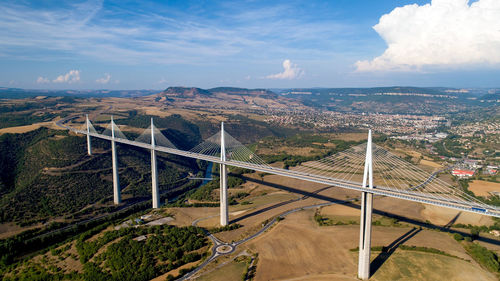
x=154 y=171
x=117 y=198
x=365 y=232
x=223 y=180
x=89 y=147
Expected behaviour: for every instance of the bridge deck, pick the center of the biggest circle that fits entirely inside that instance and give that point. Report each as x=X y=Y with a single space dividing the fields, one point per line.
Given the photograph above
x=409 y=195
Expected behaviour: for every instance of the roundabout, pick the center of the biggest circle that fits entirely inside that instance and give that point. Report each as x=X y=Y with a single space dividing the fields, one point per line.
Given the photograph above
x=224 y=249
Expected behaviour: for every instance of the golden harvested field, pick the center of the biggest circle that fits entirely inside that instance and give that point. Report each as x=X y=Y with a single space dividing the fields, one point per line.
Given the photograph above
x=233 y=270
x=408 y=265
x=28 y=128
x=340 y=210
x=442 y=216
x=483 y=188
x=300 y=249
x=430 y=163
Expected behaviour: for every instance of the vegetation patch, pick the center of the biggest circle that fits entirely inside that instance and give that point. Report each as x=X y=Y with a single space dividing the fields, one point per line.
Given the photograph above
x=225 y=228
x=327 y=221
x=385 y=249
x=483 y=256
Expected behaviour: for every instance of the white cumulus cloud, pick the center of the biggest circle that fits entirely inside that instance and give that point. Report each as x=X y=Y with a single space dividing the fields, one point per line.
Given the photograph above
x=71 y=77
x=42 y=80
x=443 y=33
x=290 y=71
x=105 y=79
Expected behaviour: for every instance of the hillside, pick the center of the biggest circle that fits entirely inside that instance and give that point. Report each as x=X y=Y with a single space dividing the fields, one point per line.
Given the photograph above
x=47 y=174
x=15 y=93
x=400 y=100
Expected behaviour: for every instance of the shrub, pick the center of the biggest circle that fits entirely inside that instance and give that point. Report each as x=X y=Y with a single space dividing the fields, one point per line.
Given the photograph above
x=484 y=257
x=458 y=237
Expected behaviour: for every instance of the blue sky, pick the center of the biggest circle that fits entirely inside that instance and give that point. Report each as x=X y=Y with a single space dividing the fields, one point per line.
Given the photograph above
x=156 y=44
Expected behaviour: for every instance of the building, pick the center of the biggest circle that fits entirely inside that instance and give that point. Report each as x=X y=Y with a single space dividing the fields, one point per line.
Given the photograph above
x=441 y=135
x=491 y=170
x=462 y=173
x=472 y=163
x=495 y=232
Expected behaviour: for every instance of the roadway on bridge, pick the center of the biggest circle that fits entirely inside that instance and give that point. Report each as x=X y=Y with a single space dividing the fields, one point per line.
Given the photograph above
x=409 y=194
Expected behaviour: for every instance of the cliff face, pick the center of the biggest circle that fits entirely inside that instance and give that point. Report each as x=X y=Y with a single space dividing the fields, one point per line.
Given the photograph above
x=185 y=92
x=223 y=98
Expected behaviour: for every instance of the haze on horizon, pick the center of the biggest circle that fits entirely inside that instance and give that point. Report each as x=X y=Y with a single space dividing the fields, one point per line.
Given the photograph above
x=99 y=44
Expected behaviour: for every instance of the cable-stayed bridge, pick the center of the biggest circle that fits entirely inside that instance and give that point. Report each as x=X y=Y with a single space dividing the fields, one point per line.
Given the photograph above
x=357 y=168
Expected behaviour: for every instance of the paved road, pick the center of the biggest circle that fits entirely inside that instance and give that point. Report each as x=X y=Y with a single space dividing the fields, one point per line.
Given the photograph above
x=234 y=245
x=430 y=178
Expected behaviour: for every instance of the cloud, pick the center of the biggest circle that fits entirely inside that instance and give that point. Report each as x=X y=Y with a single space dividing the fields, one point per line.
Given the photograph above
x=42 y=80
x=105 y=79
x=161 y=33
x=444 y=33
x=71 y=77
x=162 y=81
x=290 y=71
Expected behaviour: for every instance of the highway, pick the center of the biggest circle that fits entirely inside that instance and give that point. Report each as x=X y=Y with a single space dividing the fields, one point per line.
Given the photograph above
x=232 y=246
x=410 y=195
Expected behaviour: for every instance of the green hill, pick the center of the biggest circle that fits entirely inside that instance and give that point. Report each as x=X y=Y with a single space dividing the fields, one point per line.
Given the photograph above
x=47 y=173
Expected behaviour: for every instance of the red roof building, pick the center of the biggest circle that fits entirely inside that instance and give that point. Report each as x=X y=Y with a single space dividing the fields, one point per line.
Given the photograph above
x=462 y=173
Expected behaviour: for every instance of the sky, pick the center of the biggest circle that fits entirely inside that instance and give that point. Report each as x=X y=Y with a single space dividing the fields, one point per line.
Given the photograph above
x=124 y=44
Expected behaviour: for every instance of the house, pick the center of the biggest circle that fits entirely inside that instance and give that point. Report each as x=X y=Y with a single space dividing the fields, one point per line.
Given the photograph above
x=140 y=238
x=441 y=135
x=490 y=170
x=472 y=163
x=146 y=217
x=462 y=173
x=495 y=232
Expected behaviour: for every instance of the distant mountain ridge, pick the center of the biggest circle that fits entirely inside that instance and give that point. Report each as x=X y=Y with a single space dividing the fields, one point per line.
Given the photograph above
x=16 y=93
x=379 y=90
x=193 y=91
x=185 y=91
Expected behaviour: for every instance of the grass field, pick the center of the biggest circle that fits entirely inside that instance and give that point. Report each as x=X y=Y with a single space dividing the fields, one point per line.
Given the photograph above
x=408 y=265
x=28 y=128
x=233 y=270
x=301 y=249
x=483 y=188
x=430 y=163
x=442 y=216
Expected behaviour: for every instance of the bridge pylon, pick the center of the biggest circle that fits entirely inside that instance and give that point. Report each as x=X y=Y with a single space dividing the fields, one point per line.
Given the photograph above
x=223 y=180
x=366 y=215
x=154 y=170
x=117 y=199
x=89 y=147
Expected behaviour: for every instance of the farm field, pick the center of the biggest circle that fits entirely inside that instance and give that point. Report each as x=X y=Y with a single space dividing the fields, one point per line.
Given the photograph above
x=301 y=249
x=483 y=188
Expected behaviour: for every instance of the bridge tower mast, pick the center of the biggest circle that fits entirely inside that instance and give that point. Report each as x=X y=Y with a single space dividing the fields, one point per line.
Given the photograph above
x=366 y=215
x=223 y=179
x=89 y=147
x=116 y=181
x=154 y=170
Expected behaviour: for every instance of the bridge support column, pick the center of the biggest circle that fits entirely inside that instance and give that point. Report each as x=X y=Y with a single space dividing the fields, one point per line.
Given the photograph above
x=223 y=180
x=366 y=216
x=114 y=158
x=154 y=171
x=89 y=147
